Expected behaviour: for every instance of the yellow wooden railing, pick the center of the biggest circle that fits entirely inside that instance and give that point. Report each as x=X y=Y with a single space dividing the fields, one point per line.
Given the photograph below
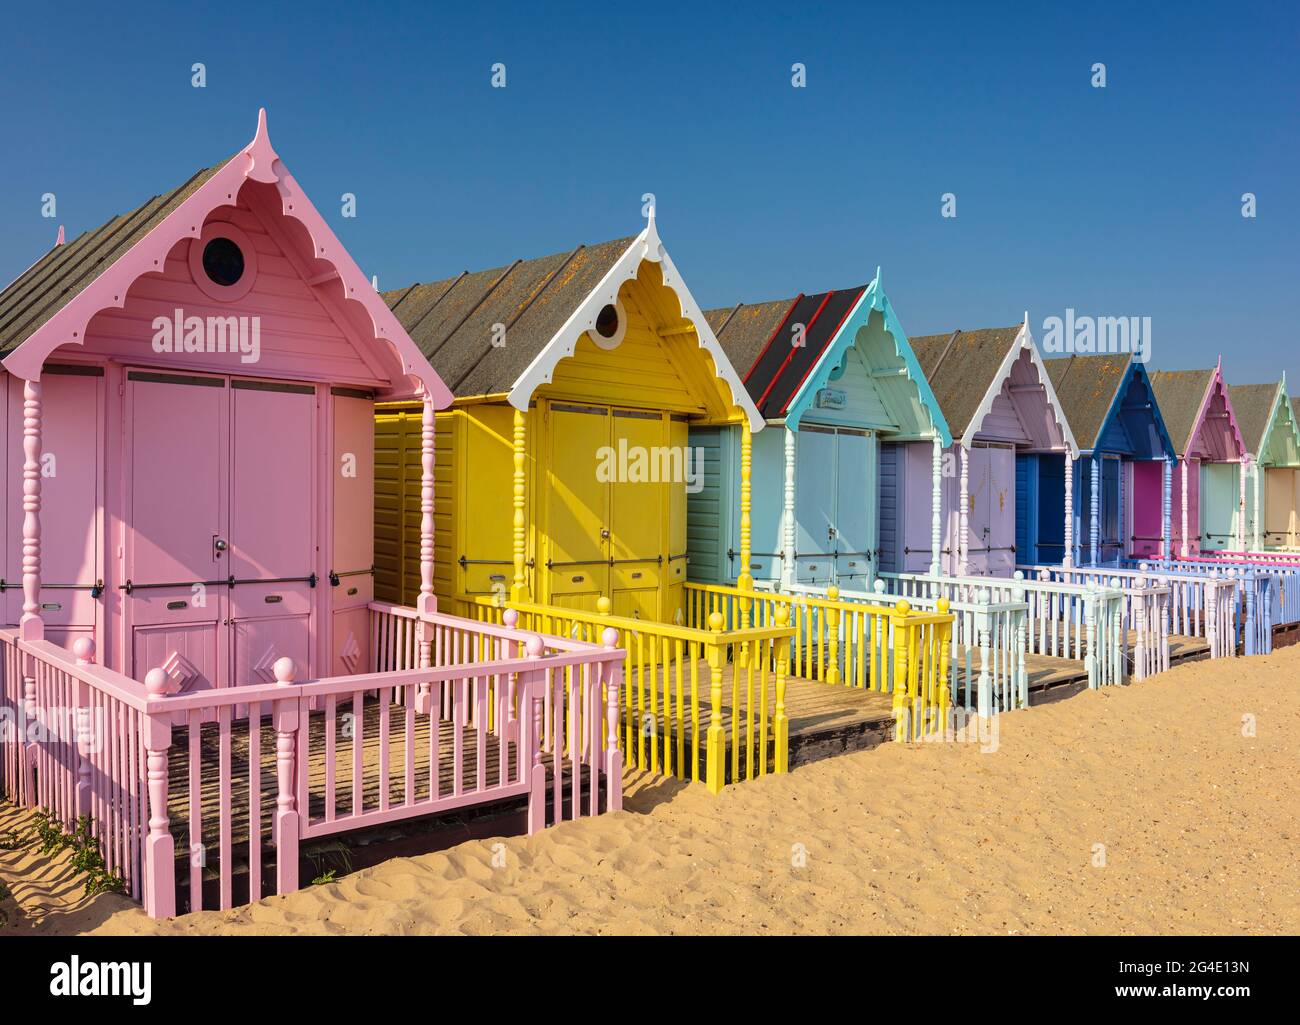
x=885 y=647
x=663 y=691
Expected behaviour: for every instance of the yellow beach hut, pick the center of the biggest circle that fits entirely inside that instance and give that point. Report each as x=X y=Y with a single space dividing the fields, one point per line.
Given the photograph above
x=564 y=463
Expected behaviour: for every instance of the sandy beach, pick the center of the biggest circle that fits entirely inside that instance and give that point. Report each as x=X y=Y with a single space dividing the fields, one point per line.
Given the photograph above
x=1170 y=806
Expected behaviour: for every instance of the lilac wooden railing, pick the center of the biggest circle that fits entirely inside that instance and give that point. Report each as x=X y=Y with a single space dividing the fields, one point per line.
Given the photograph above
x=502 y=712
x=1282 y=567
x=1256 y=600
x=1192 y=605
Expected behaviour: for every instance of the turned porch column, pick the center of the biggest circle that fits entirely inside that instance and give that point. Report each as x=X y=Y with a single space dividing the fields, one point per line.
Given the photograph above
x=428 y=603
x=936 y=510
x=787 y=515
x=31 y=626
x=519 y=586
x=1167 y=509
x=963 y=526
x=745 y=579
x=1094 y=508
x=1067 y=560
x=1183 y=549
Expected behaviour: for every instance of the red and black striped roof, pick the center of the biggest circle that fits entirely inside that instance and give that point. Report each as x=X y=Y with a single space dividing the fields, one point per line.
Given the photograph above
x=784 y=362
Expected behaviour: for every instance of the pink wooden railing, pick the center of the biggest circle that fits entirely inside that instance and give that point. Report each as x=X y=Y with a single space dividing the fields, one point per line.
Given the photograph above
x=498 y=714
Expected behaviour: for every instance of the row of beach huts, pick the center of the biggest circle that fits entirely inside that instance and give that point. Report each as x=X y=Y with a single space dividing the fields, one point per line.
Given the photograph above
x=292 y=563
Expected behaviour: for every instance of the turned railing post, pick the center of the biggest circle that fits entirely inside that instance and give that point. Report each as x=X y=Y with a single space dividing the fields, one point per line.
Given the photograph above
x=1142 y=605
x=1018 y=594
x=1250 y=644
x=286 y=723
x=902 y=705
x=780 y=722
x=613 y=674
x=84 y=649
x=832 y=670
x=715 y=745
x=159 y=846
x=534 y=690
x=1118 y=635
x=983 y=635
x=941 y=650
x=30 y=748
x=1091 y=604
x=1210 y=612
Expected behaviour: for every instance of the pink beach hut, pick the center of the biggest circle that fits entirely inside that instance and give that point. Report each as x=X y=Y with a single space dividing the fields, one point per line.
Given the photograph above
x=188 y=432
x=189 y=398
x=1209 y=488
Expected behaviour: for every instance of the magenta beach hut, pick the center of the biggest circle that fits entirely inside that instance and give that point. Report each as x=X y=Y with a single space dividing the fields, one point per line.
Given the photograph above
x=189 y=395
x=1208 y=489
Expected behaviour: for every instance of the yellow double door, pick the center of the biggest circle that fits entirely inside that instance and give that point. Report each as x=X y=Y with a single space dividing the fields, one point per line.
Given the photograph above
x=615 y=509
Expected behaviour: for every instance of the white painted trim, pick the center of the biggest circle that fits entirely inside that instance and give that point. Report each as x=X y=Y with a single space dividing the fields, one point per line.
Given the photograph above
x=645 y=246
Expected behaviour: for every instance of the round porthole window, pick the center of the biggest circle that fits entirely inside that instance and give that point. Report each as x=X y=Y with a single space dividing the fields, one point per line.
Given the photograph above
x=611 y=325
x=223 y=262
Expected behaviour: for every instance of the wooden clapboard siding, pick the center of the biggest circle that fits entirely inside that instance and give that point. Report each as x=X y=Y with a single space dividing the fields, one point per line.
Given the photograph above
x=658 y=365
x=891 y=492
x=303 y=334
x=708 y=512
x=862 y=403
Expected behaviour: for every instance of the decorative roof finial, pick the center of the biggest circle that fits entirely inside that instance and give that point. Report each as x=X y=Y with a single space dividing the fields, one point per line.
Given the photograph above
x=261 y=153
x=59 y=241
x=878 y=285
x=374 y=282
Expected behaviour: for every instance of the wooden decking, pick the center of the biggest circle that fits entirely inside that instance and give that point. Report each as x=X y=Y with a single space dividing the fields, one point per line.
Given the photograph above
x=824 y=720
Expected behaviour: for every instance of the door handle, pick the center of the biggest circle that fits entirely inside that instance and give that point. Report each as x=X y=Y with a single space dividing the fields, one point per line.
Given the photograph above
x=219 y=545
x=604 y=533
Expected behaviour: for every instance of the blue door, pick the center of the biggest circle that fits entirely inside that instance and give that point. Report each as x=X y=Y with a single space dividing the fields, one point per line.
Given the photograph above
x=1051 y=509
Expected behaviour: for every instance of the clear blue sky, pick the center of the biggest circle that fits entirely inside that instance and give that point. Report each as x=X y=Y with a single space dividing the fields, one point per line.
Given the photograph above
x=1118 y=201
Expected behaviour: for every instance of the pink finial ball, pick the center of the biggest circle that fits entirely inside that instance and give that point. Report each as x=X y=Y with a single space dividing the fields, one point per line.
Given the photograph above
x=83 y=648
x=284 y=670
x=510 y=618
x=609 y=637
x=534 y=646
x=155 y=682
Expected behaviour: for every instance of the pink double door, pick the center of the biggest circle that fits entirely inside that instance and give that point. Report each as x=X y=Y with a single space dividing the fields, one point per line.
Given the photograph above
x=220 y=551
